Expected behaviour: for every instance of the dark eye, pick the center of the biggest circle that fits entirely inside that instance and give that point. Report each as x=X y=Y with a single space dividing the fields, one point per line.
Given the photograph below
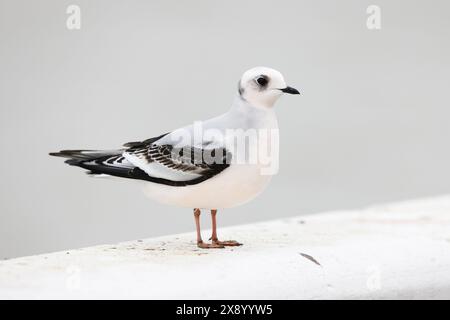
x=262 y=81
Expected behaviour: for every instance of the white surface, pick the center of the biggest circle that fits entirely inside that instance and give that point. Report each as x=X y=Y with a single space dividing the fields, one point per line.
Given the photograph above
x=393 y=251
x=371 y=125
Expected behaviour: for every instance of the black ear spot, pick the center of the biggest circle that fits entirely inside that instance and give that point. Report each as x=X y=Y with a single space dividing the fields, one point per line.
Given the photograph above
x=262 y=80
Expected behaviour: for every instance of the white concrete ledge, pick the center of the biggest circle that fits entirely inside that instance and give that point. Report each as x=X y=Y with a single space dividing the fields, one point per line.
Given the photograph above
x=393 y=251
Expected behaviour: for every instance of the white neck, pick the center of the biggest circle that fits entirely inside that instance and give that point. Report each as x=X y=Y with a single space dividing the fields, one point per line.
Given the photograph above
x=256 y=117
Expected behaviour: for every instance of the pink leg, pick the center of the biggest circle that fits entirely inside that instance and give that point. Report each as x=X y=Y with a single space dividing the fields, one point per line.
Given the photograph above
x=231 y=243
x=200 y=242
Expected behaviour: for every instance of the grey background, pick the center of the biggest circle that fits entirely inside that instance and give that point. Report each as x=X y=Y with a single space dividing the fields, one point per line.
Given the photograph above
x=372 y=124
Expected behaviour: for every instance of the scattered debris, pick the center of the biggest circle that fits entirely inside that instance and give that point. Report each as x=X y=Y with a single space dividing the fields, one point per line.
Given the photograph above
x=310 y=258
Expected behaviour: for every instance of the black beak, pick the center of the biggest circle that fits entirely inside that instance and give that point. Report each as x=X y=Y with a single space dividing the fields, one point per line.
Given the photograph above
x=290 y=90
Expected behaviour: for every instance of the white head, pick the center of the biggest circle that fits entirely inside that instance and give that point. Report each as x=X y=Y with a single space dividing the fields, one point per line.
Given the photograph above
x=262 y=86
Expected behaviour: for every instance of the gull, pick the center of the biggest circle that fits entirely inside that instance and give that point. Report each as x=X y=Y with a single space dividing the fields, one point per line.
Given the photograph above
x=207 y=173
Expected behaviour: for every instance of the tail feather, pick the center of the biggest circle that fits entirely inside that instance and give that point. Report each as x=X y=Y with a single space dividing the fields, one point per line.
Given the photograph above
x=97 y=161
x=85 y=154
x=109 y=162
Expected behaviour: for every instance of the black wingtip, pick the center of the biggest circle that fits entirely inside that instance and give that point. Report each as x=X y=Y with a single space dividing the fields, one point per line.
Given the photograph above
x=62 y=153
x=76 y=154
x=73 y=162
x=55 y=154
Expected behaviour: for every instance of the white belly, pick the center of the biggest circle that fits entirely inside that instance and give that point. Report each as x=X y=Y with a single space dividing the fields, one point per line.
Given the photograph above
x=232 y=187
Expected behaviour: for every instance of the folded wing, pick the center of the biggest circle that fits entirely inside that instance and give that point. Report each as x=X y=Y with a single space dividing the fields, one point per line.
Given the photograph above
x=150 y=161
